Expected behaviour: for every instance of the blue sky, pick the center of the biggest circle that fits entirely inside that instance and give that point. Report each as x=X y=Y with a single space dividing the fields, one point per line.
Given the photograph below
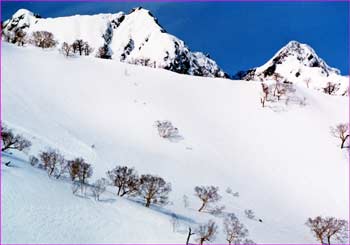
x=238 y=35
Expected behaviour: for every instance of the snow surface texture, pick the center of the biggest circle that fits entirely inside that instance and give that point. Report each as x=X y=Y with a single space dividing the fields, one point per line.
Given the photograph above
x=298 y=63
x=135 y=38
x=284 y=163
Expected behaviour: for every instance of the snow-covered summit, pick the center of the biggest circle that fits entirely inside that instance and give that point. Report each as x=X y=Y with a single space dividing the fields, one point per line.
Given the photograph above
x=298 y=63
x=135 y=38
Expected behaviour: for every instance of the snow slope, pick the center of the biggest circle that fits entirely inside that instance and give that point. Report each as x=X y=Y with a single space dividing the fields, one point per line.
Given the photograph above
x=132 y=38
x=298 y=63
x=281 y=159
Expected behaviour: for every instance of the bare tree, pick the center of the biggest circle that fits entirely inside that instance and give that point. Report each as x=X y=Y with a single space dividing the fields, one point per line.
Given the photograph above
x=87 y=49
x=80 y=170
x=206 y=232
x=125 y=179
x=341 y=131
x=264 y=94
x=53 y=162
x=43 y=39
x=104 y=52
x=330 y=88
x=326 y=229
x=207 y=194
x=20 y=37
x=66 y=49
x=307 y=82
x=78 y=46
x=154 y=189
x=98 y=188
x=234 y=230
x=189 y=234
x=12 y=141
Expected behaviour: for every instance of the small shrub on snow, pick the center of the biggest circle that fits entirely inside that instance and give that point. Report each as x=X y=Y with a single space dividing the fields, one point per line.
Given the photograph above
x=34 y=161
x=249 y=214
x=166 y=129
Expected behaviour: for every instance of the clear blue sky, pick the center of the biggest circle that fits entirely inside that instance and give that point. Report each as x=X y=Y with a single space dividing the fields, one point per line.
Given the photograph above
x=238 y=35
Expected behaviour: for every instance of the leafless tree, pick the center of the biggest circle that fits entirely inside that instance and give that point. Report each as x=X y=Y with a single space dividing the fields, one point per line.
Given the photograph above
x=326 y=229
x=207 y=194
x=53 y=162
x=189 y=234
x=80 y=170
x=98 y=188
x=307 y=82
x=20 y=37
x=279 y=90
x=166 y=129
x=66 y=49
x=341 y=131
x=43 y=39
x=103 y=52
x=78 y=46
x=264 y=94
x=12 y=141
x=154 y=189
x=206 y=232
x=330 y=88
x=125 y=179
x=234 y=230
x=87 y=49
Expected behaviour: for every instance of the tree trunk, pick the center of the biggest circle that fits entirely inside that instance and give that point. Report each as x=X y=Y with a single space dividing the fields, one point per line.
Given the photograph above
x=119 y=191
x=201 y=208
x=201 y=241
x=329 y=240
x=343 y=141
x=148 y=202
x=189 y=235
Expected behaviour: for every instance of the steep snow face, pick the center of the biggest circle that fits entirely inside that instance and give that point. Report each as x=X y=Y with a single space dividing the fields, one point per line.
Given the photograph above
x=299 y=63
x=277 y=161
x=135 y=38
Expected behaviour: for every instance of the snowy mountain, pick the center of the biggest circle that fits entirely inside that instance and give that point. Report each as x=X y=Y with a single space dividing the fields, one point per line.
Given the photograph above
x=299 y=63
x=282 y=159
x=135 y=38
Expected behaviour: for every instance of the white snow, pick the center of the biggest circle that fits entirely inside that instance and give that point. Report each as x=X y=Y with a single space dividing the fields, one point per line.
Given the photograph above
x=285 y=164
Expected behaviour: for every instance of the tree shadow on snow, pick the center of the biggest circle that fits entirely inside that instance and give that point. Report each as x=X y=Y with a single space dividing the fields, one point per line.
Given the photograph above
x=164 y=211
